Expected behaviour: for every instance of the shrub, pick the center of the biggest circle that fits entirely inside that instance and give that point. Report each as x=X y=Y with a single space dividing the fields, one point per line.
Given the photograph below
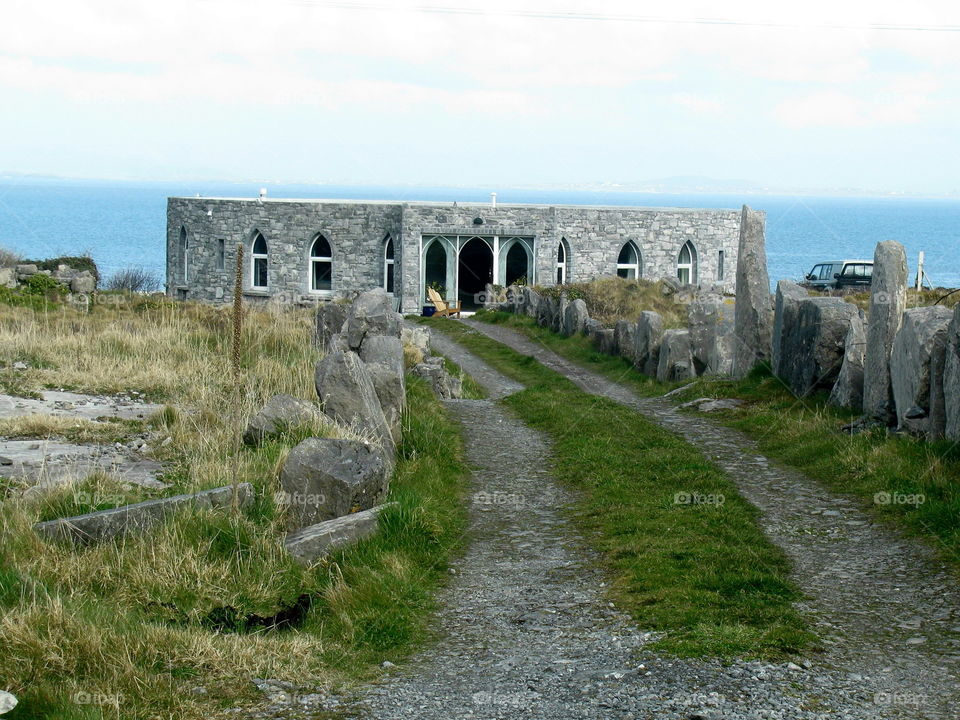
x=8 y=258
x=77 y=263
x=43 y=285
x=134 y=279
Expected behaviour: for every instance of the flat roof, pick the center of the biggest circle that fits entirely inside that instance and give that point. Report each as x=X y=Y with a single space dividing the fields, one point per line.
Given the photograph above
x=457 y=203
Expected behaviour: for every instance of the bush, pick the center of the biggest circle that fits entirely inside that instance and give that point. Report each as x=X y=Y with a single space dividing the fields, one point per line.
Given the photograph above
x=8 y=258
x=134 y=279
x=43 y=285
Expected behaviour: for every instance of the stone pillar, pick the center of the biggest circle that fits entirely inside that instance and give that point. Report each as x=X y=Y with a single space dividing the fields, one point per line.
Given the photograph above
x=888 y=298
x=753 y=317
x=951 y=378
x=789 y=295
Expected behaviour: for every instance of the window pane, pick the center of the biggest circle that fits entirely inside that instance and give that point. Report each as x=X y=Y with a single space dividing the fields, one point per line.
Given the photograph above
x=321 y=248
x=560 y=257
x=389 y=251
x=260 y=272
x=627 y=255
x=683 y=274
x=322 y=274
x=559 y=276
x=260 y=246
x=390 y=278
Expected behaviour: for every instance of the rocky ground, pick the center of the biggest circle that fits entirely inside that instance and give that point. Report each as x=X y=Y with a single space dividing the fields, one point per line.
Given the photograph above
x=525 y=629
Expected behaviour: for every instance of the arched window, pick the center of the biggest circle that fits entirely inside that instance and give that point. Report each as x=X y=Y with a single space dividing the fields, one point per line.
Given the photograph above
x=259 y=263
x=184 y=255
x=628 y=263
x=687 y=264
x=388 y=264
x=321 y=266
x=562 y=262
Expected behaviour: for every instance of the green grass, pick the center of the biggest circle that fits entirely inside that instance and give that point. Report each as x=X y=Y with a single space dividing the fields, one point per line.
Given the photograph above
x=702 y=573
x=151 y=617
x=805 y=434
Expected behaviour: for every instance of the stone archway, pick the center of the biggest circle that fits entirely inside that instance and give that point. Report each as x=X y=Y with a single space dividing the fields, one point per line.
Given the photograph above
x=474 y=271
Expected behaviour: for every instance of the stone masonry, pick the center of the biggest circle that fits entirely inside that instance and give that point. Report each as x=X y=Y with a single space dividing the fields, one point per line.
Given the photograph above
x=202 y=235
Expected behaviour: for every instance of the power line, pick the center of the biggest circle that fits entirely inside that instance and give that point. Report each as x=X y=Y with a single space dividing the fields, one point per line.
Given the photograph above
x=597 y=17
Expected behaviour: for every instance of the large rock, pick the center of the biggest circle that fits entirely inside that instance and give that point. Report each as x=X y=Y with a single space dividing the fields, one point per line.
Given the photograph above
x=326 y=478
x=951 y=378
x=444 y=385
x=8 y=278
x=754 y=311
x=888 y=299
x=8 y=702
x=608 y=341
x=916 y=369
x=848 y=389
x=558 y=319
x=624 y=338
x=593 y=329
x=676 y=360
x=531 y=301
x=647 y=339
x=575 y=317
x=371 y=313
x=417 y=337
x=813 y=346
x=789 y=295
x=546 y=310
x=383 y=356
x=26 y=270
x=84 y=283
x=711 y=323
x=347 y=394
x=106 y=524
x=330 y=319
x=316 y=541
x=281 y=414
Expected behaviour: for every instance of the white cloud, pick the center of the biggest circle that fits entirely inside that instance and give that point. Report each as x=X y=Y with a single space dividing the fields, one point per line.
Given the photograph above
x=904 y=102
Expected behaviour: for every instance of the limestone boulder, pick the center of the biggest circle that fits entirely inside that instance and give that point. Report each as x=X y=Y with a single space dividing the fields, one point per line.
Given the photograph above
x=813 y=346
x=27 y=270
x=83 y=282
x=347 y=394
x=383 y=356
x=327 y=478
x=558 y=319
x=445 y=385
x=575 y=317
x=280 y=414
x=647 y=340
x=8 y=278
x=710 y=320
x=888 y=299
x=848 y=389
x=951 y=378
x=607 y=341
x=676 y=359
x=531 y=302
x=593 y=330
x=8 y=702
x=546 y=311
x=329 y=321
x=417 y=337
x=788 y=296
x=371 y=313
x=625 y=338
x=754 y=310
x=917 y=361
x=317 y=541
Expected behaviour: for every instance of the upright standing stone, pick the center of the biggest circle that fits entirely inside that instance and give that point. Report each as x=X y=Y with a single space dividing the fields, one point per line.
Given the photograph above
x=575 y=318
x=647 y=341
x=848 y=390
x=814 y=345
x=888 y=298
x=348 y=394
x=951 y=378
x=916 y=369
x=330 y=319
x=753 y=322
x=371 y=313
x=710 y=321
x=676 y=361
x=789 y=294
x=624 y=338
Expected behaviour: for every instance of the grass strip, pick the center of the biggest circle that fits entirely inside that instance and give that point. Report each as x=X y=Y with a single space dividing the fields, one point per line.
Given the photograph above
x=684 y=549
x=911 y=483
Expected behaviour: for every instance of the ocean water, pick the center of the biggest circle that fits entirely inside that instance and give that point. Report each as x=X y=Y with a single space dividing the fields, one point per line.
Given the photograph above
x=123 y=224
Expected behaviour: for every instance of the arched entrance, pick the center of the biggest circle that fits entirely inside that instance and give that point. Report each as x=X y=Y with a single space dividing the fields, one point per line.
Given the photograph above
x=517 y=263
x=474 y=271
x=435 y=268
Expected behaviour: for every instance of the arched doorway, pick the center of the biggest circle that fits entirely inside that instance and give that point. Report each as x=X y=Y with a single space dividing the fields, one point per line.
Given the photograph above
x=435 y=268
x=517 y=264
x=474 y=271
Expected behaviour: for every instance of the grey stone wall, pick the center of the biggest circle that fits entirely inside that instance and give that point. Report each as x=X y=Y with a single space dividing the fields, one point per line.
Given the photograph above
x=355 y=230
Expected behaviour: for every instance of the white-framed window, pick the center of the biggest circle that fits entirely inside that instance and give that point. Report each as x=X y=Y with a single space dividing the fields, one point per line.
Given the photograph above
x=562 y=262
x=321 y=266
x=259 y=263
x=628 y=262
x=687 y=264
x=388 y=264
x=184 y=256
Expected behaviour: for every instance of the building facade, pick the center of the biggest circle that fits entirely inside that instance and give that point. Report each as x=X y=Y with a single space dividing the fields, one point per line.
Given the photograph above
x=299 y=251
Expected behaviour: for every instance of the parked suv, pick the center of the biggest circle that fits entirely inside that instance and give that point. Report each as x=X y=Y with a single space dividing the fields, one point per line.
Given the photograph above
x=839 y=273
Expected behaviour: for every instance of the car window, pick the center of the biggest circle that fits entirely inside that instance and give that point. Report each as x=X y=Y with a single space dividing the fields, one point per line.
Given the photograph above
x=822 y=271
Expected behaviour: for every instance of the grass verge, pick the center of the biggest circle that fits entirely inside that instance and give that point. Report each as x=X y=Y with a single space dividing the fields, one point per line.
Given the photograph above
x=702 y=573
x=909 y=482
x=132 y=628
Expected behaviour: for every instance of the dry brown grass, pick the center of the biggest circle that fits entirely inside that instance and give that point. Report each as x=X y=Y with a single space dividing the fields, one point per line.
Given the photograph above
x=613 y=298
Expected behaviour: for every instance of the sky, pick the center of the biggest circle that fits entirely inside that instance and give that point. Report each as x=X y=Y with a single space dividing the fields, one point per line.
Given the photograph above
x=812 y=95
